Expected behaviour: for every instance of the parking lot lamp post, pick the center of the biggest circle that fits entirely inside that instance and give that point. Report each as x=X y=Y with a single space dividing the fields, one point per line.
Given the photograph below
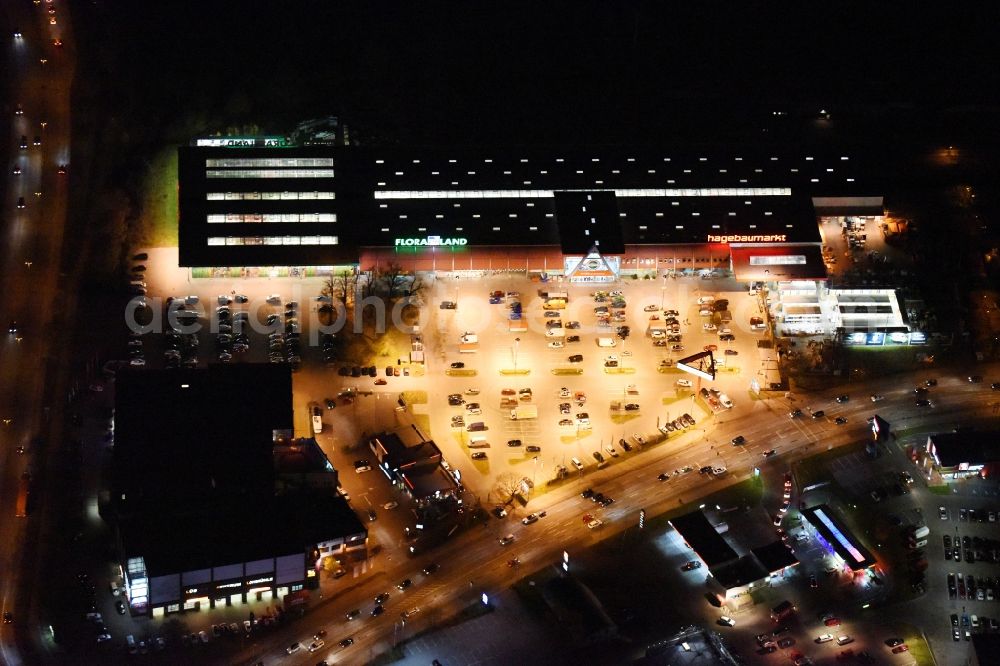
x=517 y=343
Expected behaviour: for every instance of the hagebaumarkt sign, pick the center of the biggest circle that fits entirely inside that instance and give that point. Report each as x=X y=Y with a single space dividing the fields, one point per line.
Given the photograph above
x=738 y=238
x=431 y=241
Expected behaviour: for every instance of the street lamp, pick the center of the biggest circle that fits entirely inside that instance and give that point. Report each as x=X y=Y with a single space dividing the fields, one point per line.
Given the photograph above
x=517 y=343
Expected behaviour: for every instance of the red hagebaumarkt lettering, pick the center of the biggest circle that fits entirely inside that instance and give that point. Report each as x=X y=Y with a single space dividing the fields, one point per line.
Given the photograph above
x=738 y=238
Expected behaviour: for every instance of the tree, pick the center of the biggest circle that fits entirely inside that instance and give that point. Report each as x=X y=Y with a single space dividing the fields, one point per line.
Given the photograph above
x=348 y=283
x=417 y=288
x=394 y=278
x=506 y=486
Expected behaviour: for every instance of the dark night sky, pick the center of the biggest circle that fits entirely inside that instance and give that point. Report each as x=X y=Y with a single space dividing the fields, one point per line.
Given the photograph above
x=541 y=70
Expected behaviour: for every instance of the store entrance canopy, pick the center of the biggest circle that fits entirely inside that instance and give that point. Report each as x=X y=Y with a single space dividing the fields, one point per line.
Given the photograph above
x=777 y=262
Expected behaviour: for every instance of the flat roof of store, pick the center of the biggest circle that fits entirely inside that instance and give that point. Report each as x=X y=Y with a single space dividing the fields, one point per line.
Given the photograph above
x=187 y=435
x=975 y=447
x=833 y=530
x=489 y=197
x=775 y=556
x=760 y=262
x=703 y=538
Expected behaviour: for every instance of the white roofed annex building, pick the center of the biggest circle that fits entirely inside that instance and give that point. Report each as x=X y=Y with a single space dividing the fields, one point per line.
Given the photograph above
x=587 y=214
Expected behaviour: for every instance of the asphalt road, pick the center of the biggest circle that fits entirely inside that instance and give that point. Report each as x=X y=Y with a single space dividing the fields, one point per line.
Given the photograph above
x=477 y=556
x=29 y=265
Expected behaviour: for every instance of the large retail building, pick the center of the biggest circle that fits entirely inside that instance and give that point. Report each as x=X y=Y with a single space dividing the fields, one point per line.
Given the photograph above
x=213 y=502
x=588 y=214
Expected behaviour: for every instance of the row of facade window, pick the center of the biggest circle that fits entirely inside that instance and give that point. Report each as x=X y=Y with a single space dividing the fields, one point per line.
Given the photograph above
x=549 y=194
x=680 y=260
x=244 y=162
x=268 y=196
x=272 y=240
x=218 y=218
x=269 y=173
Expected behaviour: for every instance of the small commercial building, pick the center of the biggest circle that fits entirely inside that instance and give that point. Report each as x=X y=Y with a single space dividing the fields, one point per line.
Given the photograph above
x=958 y=455
x=732 y=577
x=407 y=458
x=837 y=539
x=200 y=516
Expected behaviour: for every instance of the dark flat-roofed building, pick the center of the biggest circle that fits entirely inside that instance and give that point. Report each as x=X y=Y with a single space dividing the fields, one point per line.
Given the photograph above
x=956 y=455
x=195 y=503
x=739 y=573
x=702 y=537
x=192 y=435
x=404 y=456
x=476 y=209
x=739 y=577
x=775 y=557
x=837 y=538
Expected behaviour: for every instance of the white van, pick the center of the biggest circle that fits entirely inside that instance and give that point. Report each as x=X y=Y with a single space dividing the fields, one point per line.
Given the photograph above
x=470 y=338
x=576 y=463
x=706 y=300
x=478 y=442
x=606 y=342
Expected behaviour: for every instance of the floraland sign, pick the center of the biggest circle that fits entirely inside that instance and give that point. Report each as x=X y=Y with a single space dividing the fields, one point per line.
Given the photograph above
x=431 y=241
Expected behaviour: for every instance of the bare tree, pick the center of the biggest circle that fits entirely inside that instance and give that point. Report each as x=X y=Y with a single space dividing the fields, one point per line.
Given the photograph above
x=331 y=287
x=394 y=278
x=417 y=288
x=507 y=484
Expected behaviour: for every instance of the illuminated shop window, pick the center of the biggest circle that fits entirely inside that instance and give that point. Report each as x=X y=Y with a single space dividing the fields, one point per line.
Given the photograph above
x=269 y=173
x=245 y=162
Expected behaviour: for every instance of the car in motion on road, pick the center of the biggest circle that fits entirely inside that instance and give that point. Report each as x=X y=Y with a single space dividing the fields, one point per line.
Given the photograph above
x=689 y=566
x=507 y=540
x=875 y=397
x=20 y=202
x=529 y=519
